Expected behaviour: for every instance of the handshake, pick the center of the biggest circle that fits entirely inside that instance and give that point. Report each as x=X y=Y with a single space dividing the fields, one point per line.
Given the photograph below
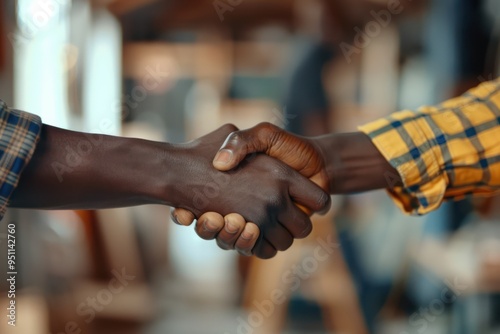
x=257 y=194
x=254 y=194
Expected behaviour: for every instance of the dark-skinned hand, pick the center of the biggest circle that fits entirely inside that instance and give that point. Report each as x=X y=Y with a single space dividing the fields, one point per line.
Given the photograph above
x=261 y=190
x=302 y=154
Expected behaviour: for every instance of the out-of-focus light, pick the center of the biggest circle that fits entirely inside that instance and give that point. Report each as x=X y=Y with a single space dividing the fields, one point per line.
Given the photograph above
x=35 y=17
x=102 y=100
x=40 y=80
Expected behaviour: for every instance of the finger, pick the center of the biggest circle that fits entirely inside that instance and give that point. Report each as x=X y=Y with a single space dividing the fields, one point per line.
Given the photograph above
x=234 y=225
x=182 y=216
x=218 y=136
x=308 y=194
x=241 y=143
x=294 y=220
x=209 y=225
x=264 y=249
x=247 y=239
x=278 y=236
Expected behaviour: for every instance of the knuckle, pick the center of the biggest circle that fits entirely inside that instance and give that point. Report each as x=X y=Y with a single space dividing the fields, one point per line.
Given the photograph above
x=223 y=244
x=181 y=217
x=274 y=205
x=229 y=127
x=323 y=201
x=235 y=219
x=276 y=199
x=268 y=132
x=263 y=212
x=267 y=127
x=244 y=250
x=234 y=138
x=268 y=255
x=204 y=234
x=285 y=244
x=280 y=171
x=173 y=218
x=306 y=231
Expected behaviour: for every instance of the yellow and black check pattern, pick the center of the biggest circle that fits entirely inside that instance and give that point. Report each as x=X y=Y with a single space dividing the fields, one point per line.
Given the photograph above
x=19 y=134
x=445 y=151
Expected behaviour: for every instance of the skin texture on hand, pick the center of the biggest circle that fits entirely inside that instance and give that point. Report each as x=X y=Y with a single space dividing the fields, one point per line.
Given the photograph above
x=301 y=154
x=74 y=170
x=262 y=190
x=343 y=163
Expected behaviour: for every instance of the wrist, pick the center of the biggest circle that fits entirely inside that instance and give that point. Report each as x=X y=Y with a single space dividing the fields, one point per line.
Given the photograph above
x=140 y=170
x=185 y=175
x=327 y=145
x=353 y=163
x=166 y=183
x=190 y=180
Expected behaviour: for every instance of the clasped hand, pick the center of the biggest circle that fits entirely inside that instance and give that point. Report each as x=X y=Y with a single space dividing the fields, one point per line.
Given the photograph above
x=257 y=194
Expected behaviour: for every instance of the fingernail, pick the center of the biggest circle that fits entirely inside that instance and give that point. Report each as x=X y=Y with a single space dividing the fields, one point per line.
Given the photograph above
x=244 y=253
x=246 y=235
x=174 y=219
x=223 y=157
x=231 y=228
x=306 y=231
x=209 y=226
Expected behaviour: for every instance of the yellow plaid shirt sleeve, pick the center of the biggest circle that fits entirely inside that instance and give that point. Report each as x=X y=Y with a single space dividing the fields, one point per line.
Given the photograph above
x=445 y=151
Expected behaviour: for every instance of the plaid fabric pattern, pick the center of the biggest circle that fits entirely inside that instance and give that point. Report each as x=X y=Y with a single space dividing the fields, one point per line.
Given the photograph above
x=445 y=151
x=19 y=134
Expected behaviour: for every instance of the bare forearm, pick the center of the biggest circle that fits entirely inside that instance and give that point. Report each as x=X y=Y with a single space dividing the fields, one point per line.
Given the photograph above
x=72 y=170
x=354 y=164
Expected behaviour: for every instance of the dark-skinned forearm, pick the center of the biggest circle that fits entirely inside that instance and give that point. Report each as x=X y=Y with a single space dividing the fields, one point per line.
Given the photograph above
x=71 y=170
x=354 y=164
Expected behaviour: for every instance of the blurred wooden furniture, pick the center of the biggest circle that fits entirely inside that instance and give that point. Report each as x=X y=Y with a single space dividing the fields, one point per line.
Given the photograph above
x=324 y=278
x=114 y=245
x=149 y=19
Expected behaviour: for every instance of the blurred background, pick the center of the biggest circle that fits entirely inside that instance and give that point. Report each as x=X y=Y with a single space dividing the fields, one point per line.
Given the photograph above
x=174 y=70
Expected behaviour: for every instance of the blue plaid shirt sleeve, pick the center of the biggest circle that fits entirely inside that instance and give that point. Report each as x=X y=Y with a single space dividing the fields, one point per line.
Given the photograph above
x=19 y=134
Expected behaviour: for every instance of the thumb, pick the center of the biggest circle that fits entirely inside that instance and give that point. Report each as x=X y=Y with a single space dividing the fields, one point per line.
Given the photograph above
x=241 y=143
